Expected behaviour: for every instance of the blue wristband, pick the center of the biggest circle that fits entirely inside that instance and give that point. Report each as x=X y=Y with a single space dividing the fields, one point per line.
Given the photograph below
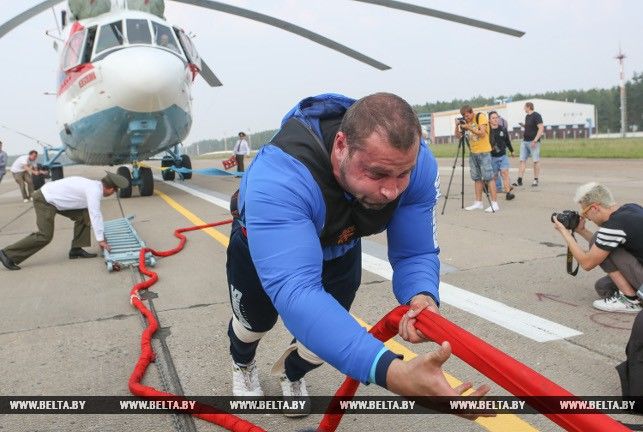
x=371 y=375
x=380 y=366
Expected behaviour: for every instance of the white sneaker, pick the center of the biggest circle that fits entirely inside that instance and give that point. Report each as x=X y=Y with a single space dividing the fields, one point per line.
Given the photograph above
x=477 y=205
x=494 y=207
x=295 y=392
x=245 y=380
x=25 y=200
x=618 y=303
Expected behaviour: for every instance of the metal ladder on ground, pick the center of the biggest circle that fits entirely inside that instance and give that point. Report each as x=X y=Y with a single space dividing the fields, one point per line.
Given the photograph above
x=125 y=245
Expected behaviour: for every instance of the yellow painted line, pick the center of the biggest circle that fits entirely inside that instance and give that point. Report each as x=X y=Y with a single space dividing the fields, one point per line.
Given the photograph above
x=218 y=236
x=500 y=423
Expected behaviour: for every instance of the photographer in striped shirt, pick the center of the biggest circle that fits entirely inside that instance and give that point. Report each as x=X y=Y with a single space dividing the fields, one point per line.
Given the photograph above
x=617 y=247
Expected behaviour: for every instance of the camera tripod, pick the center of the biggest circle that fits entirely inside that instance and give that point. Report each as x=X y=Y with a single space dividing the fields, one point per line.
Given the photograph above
x=459 y=154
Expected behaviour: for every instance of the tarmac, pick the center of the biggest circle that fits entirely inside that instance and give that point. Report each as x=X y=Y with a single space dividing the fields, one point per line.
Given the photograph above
x=68 y=328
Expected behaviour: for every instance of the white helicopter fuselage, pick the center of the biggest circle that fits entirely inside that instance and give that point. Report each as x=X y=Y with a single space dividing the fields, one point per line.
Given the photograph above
x=124 y=88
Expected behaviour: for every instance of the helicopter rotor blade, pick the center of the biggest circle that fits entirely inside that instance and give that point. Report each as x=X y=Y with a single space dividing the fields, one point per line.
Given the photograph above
x=445 y=16
x=289 y=27
x=209 y=76
x=26 y=15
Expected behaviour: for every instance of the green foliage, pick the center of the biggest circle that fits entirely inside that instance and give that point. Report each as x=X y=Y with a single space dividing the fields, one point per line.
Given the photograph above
x=256 y=140
x=617 y=148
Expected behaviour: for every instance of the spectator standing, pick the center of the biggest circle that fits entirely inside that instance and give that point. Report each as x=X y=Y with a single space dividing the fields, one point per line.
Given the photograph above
x=534 y=130
x=3 y=162
x=476 y=127
x=500 y=142
x=241 y=149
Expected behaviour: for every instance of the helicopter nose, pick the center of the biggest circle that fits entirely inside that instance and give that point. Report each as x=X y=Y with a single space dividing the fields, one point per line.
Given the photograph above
x=144 y=79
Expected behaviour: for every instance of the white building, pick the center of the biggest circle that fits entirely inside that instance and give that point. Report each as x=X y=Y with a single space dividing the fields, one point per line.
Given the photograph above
x=562 y=119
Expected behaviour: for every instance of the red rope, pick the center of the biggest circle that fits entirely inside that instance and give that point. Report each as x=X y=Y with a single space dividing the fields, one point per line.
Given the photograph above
x=514 y=376
x=508 y=372
x=226 y=420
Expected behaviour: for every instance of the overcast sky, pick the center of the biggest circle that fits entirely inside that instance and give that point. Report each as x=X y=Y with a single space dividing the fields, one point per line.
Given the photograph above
x=568 y=45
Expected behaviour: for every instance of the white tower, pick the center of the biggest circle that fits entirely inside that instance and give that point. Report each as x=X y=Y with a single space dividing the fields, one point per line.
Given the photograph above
x=620 y=57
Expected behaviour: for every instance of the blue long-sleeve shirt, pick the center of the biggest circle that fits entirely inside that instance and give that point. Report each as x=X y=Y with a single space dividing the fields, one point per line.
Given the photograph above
x=284 y=213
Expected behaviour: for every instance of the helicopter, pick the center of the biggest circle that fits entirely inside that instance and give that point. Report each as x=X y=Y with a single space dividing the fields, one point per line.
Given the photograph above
x=125 y=78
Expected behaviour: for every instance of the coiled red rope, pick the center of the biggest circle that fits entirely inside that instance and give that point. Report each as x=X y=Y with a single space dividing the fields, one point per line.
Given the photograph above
x=514 y=376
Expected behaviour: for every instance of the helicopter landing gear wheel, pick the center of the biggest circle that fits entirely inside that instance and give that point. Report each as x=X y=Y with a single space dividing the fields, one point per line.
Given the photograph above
x=125 y=172
x=146 y=181
x=168 y=175
x=186 y=163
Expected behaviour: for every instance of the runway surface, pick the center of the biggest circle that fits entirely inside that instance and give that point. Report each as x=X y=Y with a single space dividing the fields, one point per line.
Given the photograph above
x=67 y=327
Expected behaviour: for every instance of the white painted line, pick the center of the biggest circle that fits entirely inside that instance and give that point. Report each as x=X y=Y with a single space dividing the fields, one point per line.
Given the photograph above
x=526 y=324
x=516 y=320
x=204 y=196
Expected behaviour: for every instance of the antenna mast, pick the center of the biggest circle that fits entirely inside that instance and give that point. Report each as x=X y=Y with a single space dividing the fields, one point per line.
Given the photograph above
x=620 y=57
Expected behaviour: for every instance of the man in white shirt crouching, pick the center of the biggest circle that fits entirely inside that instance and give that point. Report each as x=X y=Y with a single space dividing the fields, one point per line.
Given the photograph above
x=76 y=198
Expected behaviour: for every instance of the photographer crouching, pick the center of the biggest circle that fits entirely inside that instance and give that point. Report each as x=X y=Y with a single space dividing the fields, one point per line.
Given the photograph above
x=475 y=127
x=617 y=246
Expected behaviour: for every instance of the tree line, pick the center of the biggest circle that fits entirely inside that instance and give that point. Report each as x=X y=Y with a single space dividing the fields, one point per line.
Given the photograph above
x=606 y=101
x=256 y=140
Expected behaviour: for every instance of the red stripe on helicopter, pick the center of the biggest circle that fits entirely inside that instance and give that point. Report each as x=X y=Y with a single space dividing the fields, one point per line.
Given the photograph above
x=76 y=27
x=194 y=69
x=74 y=74
x=86 y=79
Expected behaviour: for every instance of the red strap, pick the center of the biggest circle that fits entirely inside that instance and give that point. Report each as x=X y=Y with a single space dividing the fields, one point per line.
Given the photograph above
x=226 y=420
x=506 y=371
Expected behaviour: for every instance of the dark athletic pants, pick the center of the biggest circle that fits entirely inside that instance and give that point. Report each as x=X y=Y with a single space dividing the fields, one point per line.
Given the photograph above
x=252 y=307
x=240 y=160
x=631 y=370
x=623 y=261
x=45 y=214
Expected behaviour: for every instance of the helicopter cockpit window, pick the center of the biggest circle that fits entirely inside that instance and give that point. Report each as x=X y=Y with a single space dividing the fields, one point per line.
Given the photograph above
x=110 y=36
x=73 y=50
x=164 y=37
x=138 y=32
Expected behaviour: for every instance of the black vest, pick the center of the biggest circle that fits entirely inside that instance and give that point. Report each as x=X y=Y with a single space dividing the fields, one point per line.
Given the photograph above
x=345 y=219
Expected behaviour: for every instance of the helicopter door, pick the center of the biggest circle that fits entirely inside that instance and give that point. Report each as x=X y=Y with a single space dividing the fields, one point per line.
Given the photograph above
x=72 y=54
x=188 y=48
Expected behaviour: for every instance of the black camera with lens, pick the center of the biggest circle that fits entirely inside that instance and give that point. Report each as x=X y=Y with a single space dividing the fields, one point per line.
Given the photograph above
x=569 y=218
x=460 y=120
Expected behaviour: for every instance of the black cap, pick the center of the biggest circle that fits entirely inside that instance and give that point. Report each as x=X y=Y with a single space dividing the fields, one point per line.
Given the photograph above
x=115 y=180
